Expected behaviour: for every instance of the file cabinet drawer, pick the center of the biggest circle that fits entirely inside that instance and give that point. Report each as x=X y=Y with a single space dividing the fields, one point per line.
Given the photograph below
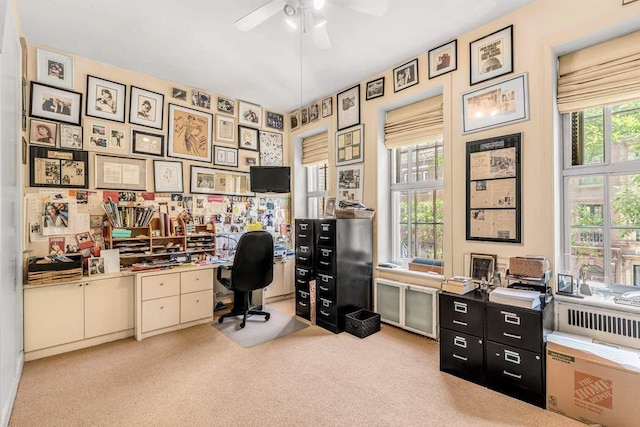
x=326 y=286
x=304 y=255
x=462 y=314
x=514 y=326
x=303 y=304
x=327 y=311
x=304 y=232
x=194 y=281
x=160 y=286
x=326 y=260
x=516 y=372
x=462 y=355
x=196 y=305
x=160 y=313
x=303 y=273
x=326 y=232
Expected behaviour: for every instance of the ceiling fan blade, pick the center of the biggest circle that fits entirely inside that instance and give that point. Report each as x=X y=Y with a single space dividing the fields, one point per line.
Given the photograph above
x=258 y=16
x=370 y=7
x=321 y=37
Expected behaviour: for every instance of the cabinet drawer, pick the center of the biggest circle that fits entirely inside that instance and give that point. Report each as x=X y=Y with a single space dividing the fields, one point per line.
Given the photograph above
x=196 y=305
x=303 y=304
x=326 y=286
x=326 y=232
x=160 y=286
x=515 y=372
x=514 y=326
x=304 y=231
x=194 y=281
x=462 y=314
x=304 y=255
x=303 y=273
x=326 y=259
x=327 y=310
x=462 y=355
x=160 y=313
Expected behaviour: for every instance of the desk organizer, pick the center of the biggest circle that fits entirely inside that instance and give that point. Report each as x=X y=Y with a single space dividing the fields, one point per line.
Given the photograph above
x=362 y=323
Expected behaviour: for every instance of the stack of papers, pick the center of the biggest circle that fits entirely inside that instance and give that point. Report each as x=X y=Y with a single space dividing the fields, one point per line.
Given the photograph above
x=459 y=285
x=516 y=297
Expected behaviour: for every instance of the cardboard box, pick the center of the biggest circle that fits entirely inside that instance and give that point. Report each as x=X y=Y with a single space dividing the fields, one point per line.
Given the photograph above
x=592 y=382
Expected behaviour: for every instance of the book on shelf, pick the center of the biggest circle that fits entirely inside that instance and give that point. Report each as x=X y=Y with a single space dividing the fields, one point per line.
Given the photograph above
x=515 y=297
x=127 y=216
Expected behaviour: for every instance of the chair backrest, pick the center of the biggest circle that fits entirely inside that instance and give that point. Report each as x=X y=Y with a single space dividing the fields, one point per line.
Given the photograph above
x=253 y=262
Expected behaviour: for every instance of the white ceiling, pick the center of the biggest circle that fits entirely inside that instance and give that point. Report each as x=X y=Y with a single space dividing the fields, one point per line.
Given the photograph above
x=195 y=43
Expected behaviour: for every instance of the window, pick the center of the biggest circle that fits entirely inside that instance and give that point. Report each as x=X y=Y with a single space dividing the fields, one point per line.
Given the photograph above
x=316 y=189
x=417 y=188
x=602 y=192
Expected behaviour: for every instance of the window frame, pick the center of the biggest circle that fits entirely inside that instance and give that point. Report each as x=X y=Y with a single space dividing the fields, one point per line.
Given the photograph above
x=316 y=193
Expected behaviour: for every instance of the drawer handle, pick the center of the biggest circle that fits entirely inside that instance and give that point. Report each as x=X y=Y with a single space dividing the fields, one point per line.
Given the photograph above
x=324 y=238
x=324 y=263
x=323 y=313
x=460 y=307
x=512 y=375
x=301 y=258
x=464 y=359
x=161 y=284
x=457 y=322
x=197 y=301
x=301 y=281
x=302 y=236
x=512 y=356
x=322 y=288
x=460 y=342
x=512 y=318
x=161 y=307
x=302 y=304
x=515 y=337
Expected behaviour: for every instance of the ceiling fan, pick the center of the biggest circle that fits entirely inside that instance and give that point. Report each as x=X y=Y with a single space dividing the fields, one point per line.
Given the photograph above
x=308 y=14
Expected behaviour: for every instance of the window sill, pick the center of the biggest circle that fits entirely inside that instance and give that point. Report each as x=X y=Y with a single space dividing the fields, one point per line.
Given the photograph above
x=597 y=301
x=431 y=279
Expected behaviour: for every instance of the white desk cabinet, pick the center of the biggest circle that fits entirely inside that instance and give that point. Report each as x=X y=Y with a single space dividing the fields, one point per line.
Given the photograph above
x=108 y=306
x=283 y=281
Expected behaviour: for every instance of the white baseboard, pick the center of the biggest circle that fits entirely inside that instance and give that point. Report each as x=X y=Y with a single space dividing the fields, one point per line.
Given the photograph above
x=6 y=411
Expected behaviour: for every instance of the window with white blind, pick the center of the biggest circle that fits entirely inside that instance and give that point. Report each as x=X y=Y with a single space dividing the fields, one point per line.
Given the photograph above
x=314 y=158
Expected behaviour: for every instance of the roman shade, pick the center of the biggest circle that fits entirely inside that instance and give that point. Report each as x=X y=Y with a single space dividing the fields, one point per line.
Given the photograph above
x=414 y=124
x=606 y=73
x=315 y=149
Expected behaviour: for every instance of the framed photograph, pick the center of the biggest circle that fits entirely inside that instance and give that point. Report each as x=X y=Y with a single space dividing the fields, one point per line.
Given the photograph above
x=498 y=104
x=70 y=136
x=54 y=69
x=349 y=145
x=375 y=89
x=225 y=128
x=274 y=120
x=405 y=75
x=43 y=133
x=348 y=107
x=249 y=114
x=147 y=143
x=105 y=99
x=178 y=93
x=443 y=59
x=304 y=116
x=146 y=107
x=565 y=284
x=327 y=107
x=491 y=56
x=248 y=138
x=216 y=181
x=295 y=119
x=51 y=167
x=314 y=112
x=350 y=183
x=330 y=208
x=200 y=99
x=84 y=240
x=225 y=156
x=95 y=266
x=167 y=176
x=121 y=173
x=271 y=148
x=98 y=137
x=190 y=134
x=493 y=198
x=226 y=105
x=482 y=266
x=51 y=103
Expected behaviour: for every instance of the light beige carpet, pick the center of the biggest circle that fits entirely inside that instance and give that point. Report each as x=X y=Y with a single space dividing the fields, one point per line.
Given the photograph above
x=198 y=377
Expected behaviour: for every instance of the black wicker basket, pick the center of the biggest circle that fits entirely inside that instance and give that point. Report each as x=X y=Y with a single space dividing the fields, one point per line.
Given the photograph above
x=362 y=323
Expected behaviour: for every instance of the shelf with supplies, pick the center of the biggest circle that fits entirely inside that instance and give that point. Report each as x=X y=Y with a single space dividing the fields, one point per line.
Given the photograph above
x=529 y=283
x=201 y=239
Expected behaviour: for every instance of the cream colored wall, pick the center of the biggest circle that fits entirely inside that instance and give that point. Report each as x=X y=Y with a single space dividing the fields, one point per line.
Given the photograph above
x=542 y=29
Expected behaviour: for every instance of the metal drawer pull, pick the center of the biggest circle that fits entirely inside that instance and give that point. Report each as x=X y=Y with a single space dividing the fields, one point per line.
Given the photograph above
x=464 y=359
x=302 y=304
x=301 y=258
x=323 y=313
x=512 y=318
x=460 y=342
x=512 y=375
x=324 y=238
x=460 y=307
x=302 y=236
x=508 y=335
x=301 y=281
x=324 y=263
x=322 y=288
x=457 y=322
x=512 y=356
x=324 y=278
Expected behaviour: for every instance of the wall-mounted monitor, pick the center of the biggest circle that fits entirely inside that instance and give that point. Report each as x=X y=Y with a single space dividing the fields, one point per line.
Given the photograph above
x=270 y=179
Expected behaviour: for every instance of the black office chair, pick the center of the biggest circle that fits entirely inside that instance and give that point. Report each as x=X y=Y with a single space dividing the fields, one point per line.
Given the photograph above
x=252 y=269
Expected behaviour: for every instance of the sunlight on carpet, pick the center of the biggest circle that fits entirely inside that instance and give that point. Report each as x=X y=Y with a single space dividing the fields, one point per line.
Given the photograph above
x=257 y=331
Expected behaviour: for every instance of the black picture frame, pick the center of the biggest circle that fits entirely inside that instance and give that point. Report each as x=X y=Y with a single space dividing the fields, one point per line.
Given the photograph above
x=42 y=100
x=565 y=284
x=493 y=194
x=274 y=120
x=443 y=59
x=406 y=75
x=348 y=107
x=146 y=108
x=374 y=89
x=491 y=56
x=147 y=146
x=47 y=167
x=248 y=138
x=98 y=103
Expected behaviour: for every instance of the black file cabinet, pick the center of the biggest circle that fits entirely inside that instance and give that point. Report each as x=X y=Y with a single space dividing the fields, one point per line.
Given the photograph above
x=305 y=245
x=496 y=345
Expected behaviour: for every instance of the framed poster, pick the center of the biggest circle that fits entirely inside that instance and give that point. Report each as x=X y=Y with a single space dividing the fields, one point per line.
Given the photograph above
x=121 y=173
x=179 y=94
x=200 y=99
x=348 y=108
x=52 y=103
x=146 y=108
x=271 y=147
x=216 y=181
x=499 y=104
x=327 y=107
x=225 y=128
x=314 y=111
x=248 y=138
x=54 y=69
x=482 y=267
x=275 y=120
x=405 y=75
x=493 y=189
x=226 y=105
x=70 y=137
x=295 y=119
x=190 y=134
x=147 y=143
x=105 y=99
x=443 y=59
x=225 y=156
x=350 y=182
x=167 y=176
x=349 y=145
x=43 y=133
x=249 y=114
x=51 y=167
x=375 y=88
x=491 y=56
